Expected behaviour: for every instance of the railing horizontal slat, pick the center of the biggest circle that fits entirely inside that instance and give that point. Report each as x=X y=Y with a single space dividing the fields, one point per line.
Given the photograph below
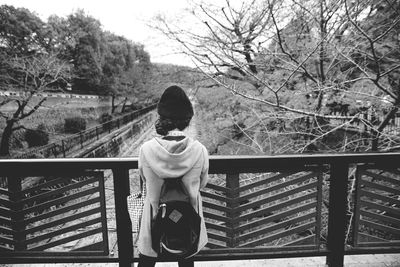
x=214 y=216
x=63 y=231
x=301 y=241
x=92 y=247
x=278 y=216
x=264 y=251
x=279 y=235
x=394 y=245
x=214 y=196
x=278 y=206
x=5 y=221
x=218 y=164
x=275 y=197
x=381 y=177
x=381 y=227
x=265 y=181
x=6 y=212
x=6 y=203
x=61 y=190
x=210 y=205
x=64 y=220
x=62 y=210
x=45 y=184
x=376 y=206
x=212 y=245
x=380 y=217
x=61 y=200
x=4 y=192
x=277 y=226
x=5 y=230
x=383 y=198
x=210 y=225
x=372 y=238
x=4 y=248
x=7 y=240
x=380 y=187
x=277 y=187
x=216 y=187
x=218 y=237
x=67 y=239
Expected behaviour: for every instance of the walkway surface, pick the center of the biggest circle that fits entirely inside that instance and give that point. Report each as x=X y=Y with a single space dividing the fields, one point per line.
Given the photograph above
x=381 y=260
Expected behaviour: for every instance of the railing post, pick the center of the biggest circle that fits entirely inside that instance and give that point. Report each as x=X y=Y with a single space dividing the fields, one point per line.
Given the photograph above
x=55 y=150
x=81 y=139
x=63 y=148
x=232 y=184
x=17 y=218
x=337 y=213
x=124 y=227
x=97 y=133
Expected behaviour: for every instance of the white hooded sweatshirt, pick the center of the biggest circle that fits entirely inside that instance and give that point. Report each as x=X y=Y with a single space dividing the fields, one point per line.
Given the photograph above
x=162 y=159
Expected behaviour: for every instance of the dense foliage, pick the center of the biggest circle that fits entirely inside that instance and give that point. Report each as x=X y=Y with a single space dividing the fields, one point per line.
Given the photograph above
x=74 y=125
x=36 y=137
x=71 y=53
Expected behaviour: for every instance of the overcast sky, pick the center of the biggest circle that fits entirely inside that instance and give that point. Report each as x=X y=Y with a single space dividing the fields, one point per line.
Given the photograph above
x=122 y=17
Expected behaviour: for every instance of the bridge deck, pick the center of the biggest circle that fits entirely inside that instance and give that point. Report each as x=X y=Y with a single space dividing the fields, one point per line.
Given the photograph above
x=230 y=167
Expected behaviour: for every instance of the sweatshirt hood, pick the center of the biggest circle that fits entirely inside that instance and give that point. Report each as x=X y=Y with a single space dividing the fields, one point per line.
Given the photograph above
x=171 y=159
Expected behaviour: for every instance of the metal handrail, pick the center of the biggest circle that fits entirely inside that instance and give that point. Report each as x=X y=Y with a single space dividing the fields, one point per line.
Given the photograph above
x=94 y=131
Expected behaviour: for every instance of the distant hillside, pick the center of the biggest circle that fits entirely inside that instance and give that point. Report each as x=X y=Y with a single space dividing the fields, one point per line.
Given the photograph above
x=164 y=75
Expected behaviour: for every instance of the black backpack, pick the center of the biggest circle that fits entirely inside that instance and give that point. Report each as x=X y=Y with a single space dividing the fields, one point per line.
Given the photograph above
x=176 y=228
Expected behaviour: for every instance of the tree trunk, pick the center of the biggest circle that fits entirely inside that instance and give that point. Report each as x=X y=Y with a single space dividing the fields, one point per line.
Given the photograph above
x=376 y=133
x=113 y=107
x=124 y=105
x=322 y=54
x=5 y=139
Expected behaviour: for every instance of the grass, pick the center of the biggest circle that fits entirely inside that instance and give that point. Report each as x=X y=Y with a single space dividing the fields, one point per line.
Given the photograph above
x=52 y=115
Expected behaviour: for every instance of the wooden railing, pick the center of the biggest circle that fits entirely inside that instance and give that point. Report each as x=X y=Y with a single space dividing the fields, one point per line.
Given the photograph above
x=62 y=148
x=255 y=208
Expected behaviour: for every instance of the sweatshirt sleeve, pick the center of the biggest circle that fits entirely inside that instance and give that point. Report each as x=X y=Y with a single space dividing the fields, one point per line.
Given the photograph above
x=204 y=172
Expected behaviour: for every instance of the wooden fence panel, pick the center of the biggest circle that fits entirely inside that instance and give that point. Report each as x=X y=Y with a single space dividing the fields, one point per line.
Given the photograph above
x=377 y=209
x=263 y=210
x=55 y=216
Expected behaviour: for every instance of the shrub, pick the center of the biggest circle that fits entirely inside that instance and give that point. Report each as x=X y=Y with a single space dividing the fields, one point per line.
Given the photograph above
x=74 y=125
x=36 y=137
x=105 y=117
x=42 y=127
x=17 y=140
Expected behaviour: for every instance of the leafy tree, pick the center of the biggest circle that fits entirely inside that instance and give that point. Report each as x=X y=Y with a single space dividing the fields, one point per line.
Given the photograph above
x=87 y=51
x=22 y=32
x=103 y=63
x=28 y=66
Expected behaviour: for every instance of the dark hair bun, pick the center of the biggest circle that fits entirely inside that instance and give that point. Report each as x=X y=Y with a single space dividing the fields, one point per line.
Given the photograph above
x=175 y=104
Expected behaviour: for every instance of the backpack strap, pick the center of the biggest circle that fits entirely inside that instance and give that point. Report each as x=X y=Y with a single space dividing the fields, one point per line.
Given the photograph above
x=141 y=183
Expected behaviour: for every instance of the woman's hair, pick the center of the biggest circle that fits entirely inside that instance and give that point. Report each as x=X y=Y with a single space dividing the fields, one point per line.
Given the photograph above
x=164 y=125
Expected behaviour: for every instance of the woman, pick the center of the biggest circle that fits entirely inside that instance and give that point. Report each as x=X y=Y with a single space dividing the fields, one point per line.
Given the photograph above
x=170 y=156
